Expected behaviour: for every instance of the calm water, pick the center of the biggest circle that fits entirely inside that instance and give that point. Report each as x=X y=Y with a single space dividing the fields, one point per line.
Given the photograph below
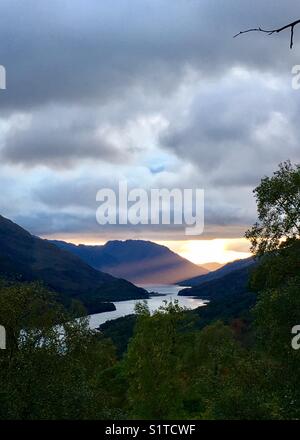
x=127 y=307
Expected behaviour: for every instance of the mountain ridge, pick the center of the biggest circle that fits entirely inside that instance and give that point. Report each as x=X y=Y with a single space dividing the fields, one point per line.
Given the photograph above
x=231 y=284
x=219 y=273
x=139 y=261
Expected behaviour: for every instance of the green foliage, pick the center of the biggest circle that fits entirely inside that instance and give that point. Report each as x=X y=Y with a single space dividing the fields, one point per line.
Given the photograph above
x=152 y=363
x=277 y=282
x=225 y=378
x=54 y=365
x=278 y=204
x=276 y=313
x=277 y=268
x=176 y=372
x=120 y=331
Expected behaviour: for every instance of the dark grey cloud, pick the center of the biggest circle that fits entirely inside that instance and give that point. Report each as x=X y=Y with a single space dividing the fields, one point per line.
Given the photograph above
x=60 y=224
x=42 y=223
x=238 y=129
x=59 y=138
x=70 y=50
x=87 y=53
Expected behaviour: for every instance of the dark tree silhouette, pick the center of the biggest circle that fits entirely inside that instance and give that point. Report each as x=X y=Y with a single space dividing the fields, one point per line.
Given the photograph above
x=290 y=26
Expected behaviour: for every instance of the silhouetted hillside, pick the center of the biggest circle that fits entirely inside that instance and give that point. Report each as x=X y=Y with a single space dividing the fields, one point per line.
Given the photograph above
x=139 y=261
x=219 y=273
x=234 y=283
x=27 y=258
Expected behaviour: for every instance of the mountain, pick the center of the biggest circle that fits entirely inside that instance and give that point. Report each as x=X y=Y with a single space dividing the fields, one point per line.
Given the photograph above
x=139 y=261
x=219 y=273
x=212 y=266
x=27 y=258
x=230 y=284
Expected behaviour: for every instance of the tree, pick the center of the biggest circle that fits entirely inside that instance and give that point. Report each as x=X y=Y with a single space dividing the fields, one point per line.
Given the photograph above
x=55 y=366
x=275 y=238
x=276 y=313
x=278 y=204
x=29 y=308
x=290 y=26
x=153 y=361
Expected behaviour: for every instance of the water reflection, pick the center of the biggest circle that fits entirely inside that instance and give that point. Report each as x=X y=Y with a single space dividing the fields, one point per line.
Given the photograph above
x=124 y=308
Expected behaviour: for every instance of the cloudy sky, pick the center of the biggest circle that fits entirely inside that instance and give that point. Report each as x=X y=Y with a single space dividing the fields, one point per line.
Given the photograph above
x=155 y=92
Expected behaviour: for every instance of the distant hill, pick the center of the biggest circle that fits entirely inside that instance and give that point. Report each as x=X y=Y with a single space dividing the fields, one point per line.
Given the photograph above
x=142 y=262
x=212 y=266
x=25 y=257
x=233 y=283
x=219 y=273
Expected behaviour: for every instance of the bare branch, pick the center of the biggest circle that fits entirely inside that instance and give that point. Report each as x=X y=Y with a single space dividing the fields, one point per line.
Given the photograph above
x=290 y=26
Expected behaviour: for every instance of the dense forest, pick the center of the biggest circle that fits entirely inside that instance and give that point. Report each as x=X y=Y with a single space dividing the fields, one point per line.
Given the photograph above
x=230 y=360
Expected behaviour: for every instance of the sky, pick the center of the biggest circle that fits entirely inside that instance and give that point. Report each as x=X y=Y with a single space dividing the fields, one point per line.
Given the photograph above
x=155 y=92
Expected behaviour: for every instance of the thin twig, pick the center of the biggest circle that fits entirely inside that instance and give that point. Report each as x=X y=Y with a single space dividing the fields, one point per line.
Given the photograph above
x=274 y=31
